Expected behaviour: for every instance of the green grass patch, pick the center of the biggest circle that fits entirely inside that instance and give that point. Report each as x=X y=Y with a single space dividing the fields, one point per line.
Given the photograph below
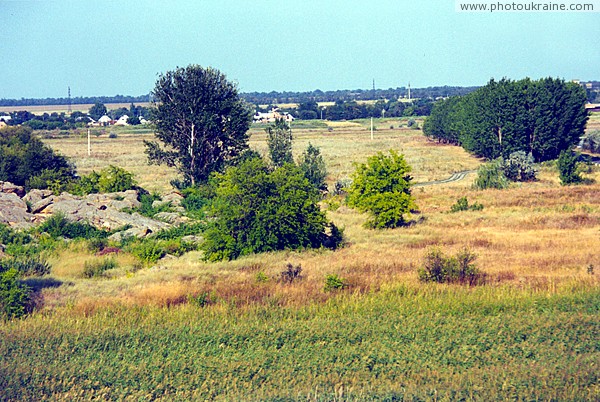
x=404 y=343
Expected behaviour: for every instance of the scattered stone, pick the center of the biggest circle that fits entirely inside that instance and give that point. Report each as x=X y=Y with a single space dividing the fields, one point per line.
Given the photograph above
x=13 y=211
x=171 y=217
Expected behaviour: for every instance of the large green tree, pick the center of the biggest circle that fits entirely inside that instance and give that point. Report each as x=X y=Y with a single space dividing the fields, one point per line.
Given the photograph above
x=257 y=209
x=201 y=121
x=97 y=111
x=279 y=140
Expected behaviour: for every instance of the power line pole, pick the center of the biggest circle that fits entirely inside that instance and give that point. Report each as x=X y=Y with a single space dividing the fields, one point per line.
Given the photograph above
x=69 y=104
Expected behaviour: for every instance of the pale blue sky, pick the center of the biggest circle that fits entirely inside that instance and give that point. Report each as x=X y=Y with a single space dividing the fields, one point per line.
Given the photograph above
x=109 y=47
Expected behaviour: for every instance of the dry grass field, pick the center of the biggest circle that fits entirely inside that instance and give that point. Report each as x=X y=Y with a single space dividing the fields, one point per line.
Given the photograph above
x=536 y=234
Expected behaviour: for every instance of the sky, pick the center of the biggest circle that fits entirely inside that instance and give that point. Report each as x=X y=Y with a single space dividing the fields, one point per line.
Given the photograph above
x=110 y=47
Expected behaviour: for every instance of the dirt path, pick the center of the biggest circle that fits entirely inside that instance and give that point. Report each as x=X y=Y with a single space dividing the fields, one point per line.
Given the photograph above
x=455 y=177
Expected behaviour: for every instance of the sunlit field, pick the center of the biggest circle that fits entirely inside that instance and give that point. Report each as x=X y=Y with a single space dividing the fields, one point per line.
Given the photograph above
x=185 y=329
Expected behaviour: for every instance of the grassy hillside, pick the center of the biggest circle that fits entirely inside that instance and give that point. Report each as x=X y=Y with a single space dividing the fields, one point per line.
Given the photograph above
x=189 y=330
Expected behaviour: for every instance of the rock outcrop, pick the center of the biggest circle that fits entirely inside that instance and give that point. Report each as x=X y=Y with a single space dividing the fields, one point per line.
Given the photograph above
x=105 y=211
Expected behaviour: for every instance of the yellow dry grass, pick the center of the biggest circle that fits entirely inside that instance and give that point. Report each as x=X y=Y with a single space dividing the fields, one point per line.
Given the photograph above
x=537 y=234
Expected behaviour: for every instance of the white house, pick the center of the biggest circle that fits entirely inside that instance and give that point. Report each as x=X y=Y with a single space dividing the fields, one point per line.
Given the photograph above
x=5 y=118
x=104 y=120
x=122 y=121
x=271 y=116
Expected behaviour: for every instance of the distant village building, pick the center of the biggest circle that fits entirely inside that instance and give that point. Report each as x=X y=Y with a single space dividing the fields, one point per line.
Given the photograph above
x=122 y=121
x=104 y=120
x=272 y=116
x=5 y=119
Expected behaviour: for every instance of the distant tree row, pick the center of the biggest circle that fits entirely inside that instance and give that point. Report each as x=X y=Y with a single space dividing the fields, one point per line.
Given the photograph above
x=272 y=98
x=349 y=110
x=267 y=98
x=79 y=100
x=541 y=117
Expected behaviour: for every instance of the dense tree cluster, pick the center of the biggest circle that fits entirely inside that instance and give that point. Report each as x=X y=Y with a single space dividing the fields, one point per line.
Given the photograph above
x=259 y=209
x=26 y=161
x=540 y=117
x=79 y=100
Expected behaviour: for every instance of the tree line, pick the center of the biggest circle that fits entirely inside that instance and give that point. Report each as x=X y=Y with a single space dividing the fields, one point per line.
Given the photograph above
x=266 y=98
x=542 y=117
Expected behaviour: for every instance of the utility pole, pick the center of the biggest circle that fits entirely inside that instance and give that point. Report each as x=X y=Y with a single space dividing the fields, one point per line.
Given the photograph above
x=69 y=108
x=409 y=91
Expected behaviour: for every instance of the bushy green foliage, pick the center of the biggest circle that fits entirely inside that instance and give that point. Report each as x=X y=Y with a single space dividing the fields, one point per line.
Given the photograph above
x=567 y=168
x=519 y=167
x=28 y=266
x=381 y=187
x=150 y=250
x=177 y=232
x=334 y=282
x=543 y=117
x=26 y=161
x=59 y=226
x=462 y=204
x=437 y=267
x=279 y=141
x=313 y=166
x=258 y=210
x=591 y=142
x=111 y=179
x=491 y=175
x=147 y=207
x=96 y=269
x=197 y=199
x=14 y=295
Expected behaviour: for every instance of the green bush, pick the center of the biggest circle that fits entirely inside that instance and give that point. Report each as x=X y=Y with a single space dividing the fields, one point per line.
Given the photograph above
x=458 y=269
x=313 y=166
x=147 y=208
x=519 y=167
x=177 y=232
x=334 y=282
x=567 y=168
x=462 y=204
x=14 y=295
x=96 y=269
x=258 y=210
x=26 y=266
x=591 y=142
x=491 y=175
x=26 y=161
x=381 y=187
x=58 y=226
x=111 y=179
x=279 y=140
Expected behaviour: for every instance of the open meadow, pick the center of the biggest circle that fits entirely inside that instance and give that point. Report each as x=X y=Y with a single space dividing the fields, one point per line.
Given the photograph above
x=185 y=329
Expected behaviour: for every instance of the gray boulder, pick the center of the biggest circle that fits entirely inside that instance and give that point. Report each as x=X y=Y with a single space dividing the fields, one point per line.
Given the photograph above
x=13 y=211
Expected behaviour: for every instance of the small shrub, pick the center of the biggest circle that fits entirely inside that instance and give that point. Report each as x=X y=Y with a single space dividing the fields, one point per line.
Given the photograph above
x=14 y=295
x=112 y=134
x=567 y=168
x=291 y=273
x=96 y=269
x=148 y=250
x=439 y=268
x=519 y=167
x=462 y=204
x=147 y=208
x=341 y=186
x=97 y=244
x=491 y=175
x=59 y=226
x=201 y=300
x=261 y=277
x=31 y=266
x=334 y=282
x=177 y=232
